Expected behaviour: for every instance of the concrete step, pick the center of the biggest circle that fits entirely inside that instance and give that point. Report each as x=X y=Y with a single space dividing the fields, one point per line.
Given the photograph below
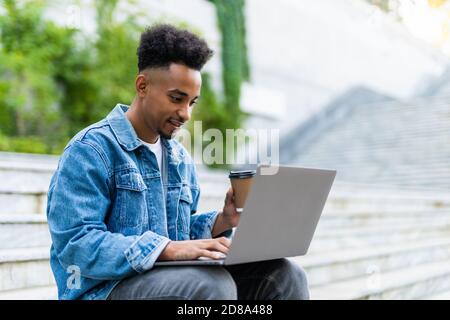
x=351 y=168
x=364 y=158
x=338 y=229
x=320 y=268
x=425 y=129
x=345 y=219
x=355 y=216
x=24 y=231
x=29 y=167
x=24 y=180
x=345 y=200
x=32 y=158
x=344 y=238
x=25 y=268
x=409 y=283
x=397 y=140
x=33 y=293
x=338 y=217
x=22 y=203
x=442 y=224
x=383 y=202
x=28 y=183
x=439 y=296
x=213 y=197
x=341 y=229
x=333 y=266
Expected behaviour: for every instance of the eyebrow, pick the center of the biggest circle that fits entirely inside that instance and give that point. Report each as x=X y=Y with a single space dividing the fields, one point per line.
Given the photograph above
x=182 y=93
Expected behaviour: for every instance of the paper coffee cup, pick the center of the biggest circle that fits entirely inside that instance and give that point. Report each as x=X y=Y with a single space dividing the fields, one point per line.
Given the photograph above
x=241 y=182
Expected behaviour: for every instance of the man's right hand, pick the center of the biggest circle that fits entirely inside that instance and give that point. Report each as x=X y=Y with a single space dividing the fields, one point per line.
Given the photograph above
x=194 y=249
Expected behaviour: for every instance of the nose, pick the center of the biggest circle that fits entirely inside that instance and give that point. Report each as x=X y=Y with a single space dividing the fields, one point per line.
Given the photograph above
x=185 y=112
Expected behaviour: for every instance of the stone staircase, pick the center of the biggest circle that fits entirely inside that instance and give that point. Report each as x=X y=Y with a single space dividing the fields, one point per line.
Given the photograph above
x=392 y=245
x=371 y=242
x=24 y=238
x=381 y=142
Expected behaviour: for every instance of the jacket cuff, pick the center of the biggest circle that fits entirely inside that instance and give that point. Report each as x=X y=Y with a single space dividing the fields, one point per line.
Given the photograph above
x=142 y=254
x=226 y=233
x=204 y=224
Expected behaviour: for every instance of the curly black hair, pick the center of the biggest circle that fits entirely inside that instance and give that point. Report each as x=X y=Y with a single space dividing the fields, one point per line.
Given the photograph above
x=163 y=44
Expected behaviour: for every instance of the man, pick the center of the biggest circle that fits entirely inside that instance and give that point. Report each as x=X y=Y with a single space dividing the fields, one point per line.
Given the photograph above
x=125 y=195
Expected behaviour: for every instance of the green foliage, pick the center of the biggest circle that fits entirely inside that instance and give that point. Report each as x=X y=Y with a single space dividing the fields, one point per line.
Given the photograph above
x=27 y=144
x=104 y=76
x=382 y=4
x=28 y=90
x=51 y=86
x=213 y=114
x=231 y=20
x=54 y=80
x=235 y=70
x=210 y=110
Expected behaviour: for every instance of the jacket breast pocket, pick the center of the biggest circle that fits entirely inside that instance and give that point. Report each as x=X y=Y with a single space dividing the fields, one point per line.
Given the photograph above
x=131 y=201
x=184 y=209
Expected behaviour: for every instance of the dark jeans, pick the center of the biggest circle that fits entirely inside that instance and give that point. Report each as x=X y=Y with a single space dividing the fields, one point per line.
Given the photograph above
x=266 y=280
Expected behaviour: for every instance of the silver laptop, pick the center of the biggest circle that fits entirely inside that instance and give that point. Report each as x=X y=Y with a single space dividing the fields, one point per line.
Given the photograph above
x=279 y=218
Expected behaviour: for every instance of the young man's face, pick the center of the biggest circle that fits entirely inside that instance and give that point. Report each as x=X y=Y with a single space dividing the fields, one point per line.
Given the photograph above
x=168 y=96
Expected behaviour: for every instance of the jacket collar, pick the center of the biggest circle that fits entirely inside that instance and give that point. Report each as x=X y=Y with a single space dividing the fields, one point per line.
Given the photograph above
x=122 y=128
x=126 y=135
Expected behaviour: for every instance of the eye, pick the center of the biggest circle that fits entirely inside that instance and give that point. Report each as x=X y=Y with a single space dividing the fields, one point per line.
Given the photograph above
x=176 y=99
x=193 y=103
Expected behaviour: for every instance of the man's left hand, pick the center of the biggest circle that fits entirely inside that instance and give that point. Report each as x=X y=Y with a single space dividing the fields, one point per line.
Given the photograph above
x=230 y=215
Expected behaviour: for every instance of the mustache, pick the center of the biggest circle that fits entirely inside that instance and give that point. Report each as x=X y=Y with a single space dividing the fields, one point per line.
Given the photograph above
x=178 y=121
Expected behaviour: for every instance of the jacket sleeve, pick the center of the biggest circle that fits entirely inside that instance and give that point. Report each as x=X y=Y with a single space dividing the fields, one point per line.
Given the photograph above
x=78 y=202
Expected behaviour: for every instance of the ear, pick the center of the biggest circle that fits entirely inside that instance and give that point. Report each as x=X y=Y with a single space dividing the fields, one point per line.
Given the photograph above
x=141 y=85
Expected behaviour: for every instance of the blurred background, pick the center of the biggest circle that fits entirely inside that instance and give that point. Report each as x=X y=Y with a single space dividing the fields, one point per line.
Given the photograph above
x=355 y=85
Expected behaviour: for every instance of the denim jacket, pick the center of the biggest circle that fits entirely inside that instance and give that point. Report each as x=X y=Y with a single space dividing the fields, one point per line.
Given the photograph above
x=109 y=212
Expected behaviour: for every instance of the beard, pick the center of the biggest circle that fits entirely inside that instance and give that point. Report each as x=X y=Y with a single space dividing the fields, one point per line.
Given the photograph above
x=165 y=135
x=173 y=132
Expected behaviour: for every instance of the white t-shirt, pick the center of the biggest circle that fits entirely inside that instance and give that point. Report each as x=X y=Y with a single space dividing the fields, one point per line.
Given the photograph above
x=156 y=148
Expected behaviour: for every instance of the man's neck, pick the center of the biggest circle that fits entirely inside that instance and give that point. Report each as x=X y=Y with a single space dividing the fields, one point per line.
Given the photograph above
x=139 y=126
